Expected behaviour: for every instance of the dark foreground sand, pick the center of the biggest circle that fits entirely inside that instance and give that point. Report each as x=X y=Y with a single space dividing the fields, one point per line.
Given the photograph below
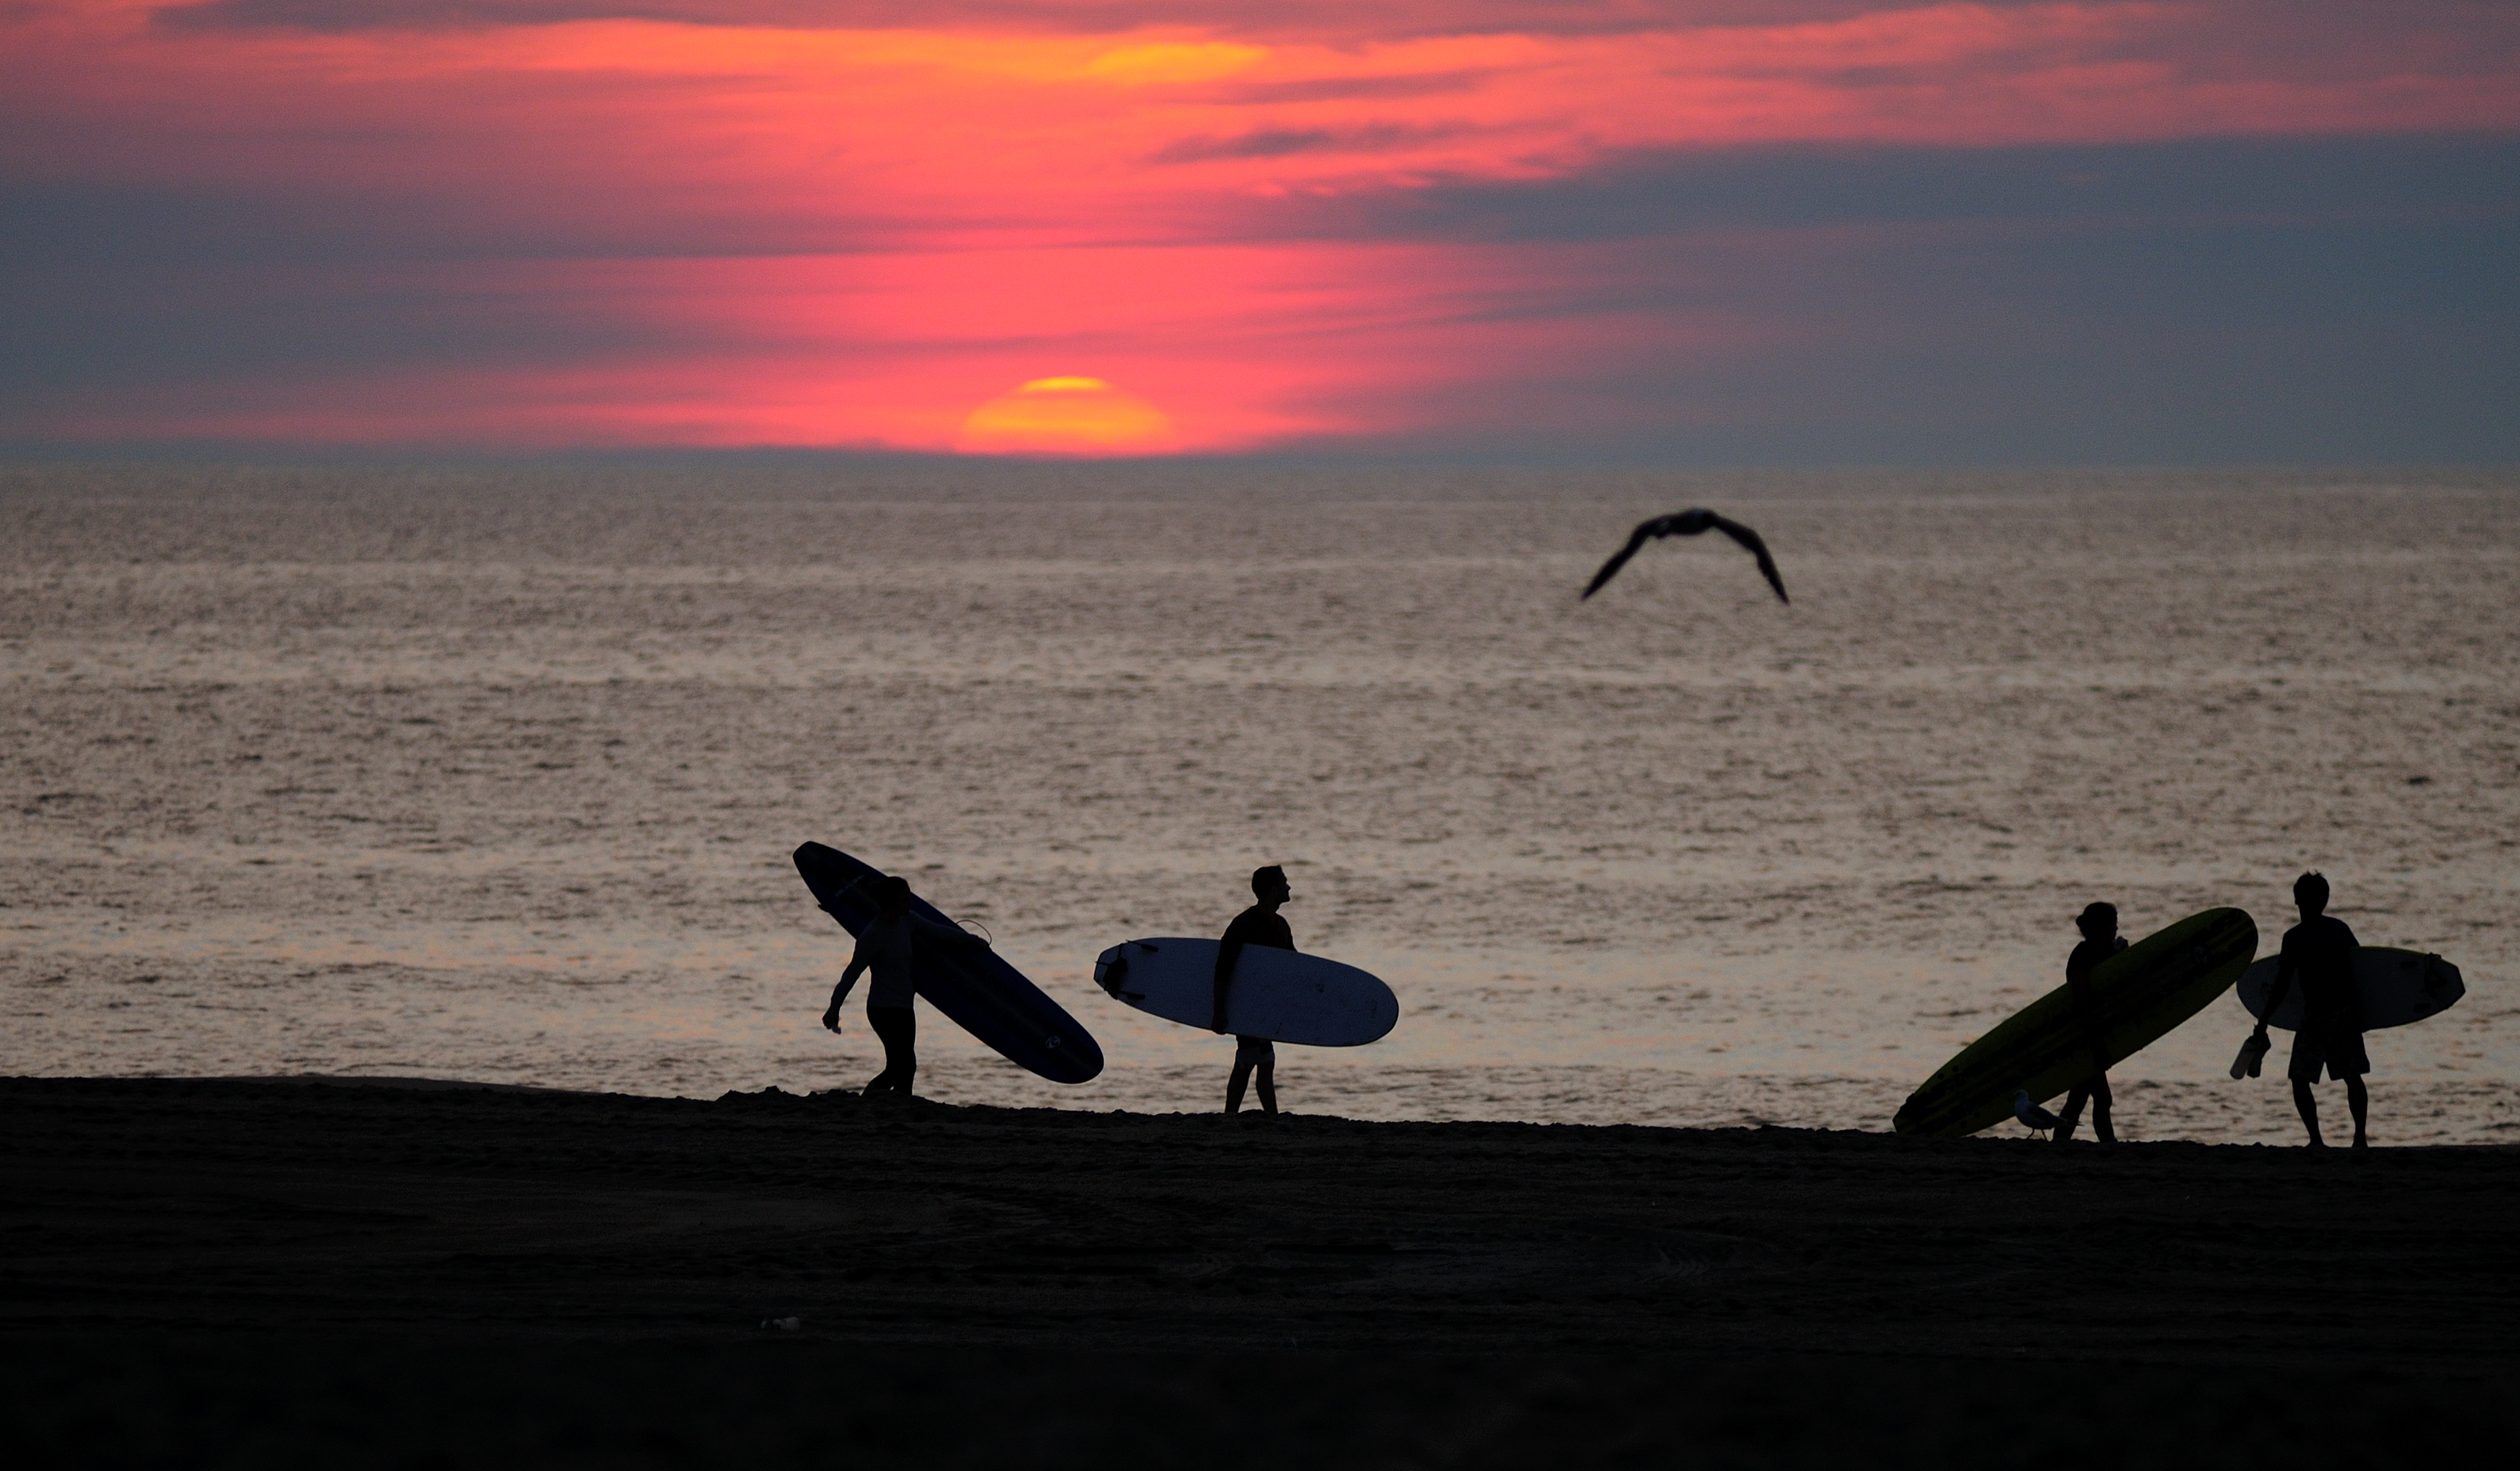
x=228 y=1272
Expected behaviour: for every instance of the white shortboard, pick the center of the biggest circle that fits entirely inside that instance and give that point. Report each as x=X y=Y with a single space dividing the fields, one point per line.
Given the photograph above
x=2391 y=987
x=1281 y=996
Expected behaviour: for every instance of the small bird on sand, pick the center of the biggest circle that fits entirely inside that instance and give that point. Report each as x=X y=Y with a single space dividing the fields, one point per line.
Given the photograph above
x=1690 y=523
x=2030 y=1115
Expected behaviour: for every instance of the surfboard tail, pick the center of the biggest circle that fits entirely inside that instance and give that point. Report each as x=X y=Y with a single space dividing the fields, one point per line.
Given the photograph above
x=1112 y=973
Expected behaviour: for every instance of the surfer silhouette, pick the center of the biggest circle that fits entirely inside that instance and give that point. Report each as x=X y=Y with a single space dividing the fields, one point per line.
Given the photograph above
x=889 y=947
x=2320 y=952
x=1260 y=925
x=2098 y=923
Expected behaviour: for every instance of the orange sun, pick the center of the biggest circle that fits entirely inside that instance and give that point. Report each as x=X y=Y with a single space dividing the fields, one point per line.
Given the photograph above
x=1083 y=416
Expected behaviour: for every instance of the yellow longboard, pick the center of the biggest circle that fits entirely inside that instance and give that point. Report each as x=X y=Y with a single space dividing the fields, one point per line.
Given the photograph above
x=2138 y=995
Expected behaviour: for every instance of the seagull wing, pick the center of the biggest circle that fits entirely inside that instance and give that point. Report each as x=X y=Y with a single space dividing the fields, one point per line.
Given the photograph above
x=1619 y=559
x=1759 y=549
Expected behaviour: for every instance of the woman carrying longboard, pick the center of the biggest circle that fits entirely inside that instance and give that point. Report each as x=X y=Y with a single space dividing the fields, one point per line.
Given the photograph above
x=971 y=984
x=887 y=947
x=2098 y=923
x=2064 y=1040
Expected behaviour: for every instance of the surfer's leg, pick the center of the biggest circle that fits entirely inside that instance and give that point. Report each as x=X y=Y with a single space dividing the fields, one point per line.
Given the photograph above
x=2100 y=1128
x=2075 y=1097
x=1268 y=1078
x=881 y=1082
x=1250 y=1053
x=2307 y=1106
x=2348 y=1059
x=2307 y=1057
x=897 y=1028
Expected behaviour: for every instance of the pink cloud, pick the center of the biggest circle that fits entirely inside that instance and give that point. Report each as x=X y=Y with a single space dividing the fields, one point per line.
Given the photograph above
x=854 y=222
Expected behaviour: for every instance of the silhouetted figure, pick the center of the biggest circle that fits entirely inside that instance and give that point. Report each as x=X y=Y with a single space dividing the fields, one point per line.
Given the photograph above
x=2320 y=952
x=1690 y=523
x=889 y=947
x=2101 y=940
x=1260 y=925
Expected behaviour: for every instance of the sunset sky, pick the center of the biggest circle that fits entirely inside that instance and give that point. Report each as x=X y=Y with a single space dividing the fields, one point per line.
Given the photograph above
x=1707 y=231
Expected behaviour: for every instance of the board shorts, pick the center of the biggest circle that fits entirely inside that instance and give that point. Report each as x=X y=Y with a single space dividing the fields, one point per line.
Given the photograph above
x=2339 y=1052
x=1254 y=1049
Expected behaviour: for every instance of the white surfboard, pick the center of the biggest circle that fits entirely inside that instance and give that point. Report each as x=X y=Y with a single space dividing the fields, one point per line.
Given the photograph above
x=1279 y=994
x=2391 y=987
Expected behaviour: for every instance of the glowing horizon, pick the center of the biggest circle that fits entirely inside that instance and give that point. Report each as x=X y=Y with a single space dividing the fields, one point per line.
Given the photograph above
x=1066 y=416
x=723 y=224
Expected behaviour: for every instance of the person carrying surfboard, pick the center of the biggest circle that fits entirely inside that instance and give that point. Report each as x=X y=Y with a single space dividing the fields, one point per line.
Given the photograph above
x=2319 y=950
x=889 y=947
x=2098 y=923
x=1260 y=925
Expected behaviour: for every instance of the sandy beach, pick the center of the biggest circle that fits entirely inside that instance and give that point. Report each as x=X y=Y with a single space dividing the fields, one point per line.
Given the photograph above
x=268 y=1272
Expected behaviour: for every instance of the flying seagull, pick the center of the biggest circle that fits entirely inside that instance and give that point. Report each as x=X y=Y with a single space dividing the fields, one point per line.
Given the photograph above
x=1690 y=523
x=2030 y=1115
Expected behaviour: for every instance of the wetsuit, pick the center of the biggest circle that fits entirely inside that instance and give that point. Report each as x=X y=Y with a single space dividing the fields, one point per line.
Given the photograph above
x=2320 y=953
x=888 y=948
x=1253 y=926
x=2079 y=966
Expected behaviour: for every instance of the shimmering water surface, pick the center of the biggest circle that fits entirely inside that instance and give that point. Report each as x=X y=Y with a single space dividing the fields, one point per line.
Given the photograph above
x=493 y=774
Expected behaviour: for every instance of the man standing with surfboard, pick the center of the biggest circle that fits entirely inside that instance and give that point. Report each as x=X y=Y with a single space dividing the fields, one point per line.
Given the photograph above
x=1260 y=925
x=2319 y=950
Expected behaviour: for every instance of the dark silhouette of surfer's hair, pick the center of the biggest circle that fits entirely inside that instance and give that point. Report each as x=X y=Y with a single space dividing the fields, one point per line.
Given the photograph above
x=2310 y=891
x=891 y=889
x=2097 y=919
x=1690 y=523
x=1264 y=879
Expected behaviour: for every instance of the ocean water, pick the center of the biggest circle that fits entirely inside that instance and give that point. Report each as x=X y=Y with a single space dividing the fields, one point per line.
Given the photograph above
x=493 y=774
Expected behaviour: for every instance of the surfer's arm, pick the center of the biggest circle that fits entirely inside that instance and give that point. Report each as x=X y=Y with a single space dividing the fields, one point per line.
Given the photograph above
x=2283 y=987
x=840 y=992
x=1228 y=953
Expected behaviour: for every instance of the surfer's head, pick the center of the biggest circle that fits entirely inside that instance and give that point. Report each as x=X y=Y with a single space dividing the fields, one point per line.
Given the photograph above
x=1269 y=885
x=892 y=895
x=2098 y=921
x=2310 y=892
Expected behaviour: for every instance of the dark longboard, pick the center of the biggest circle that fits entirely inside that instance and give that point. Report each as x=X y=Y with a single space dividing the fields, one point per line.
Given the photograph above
x=977 y=991
x=2137 y=994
